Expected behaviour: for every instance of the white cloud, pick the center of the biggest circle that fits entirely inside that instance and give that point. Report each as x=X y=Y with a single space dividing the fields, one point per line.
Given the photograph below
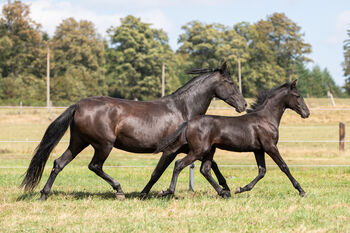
x=157 y=19
x=341 y=26
x=141 y=4
x=50 y=13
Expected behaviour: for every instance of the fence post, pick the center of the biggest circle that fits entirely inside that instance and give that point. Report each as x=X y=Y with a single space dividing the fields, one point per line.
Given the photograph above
x=192 y=177
x=341 y=136
x=20 y=108
x=329 y=94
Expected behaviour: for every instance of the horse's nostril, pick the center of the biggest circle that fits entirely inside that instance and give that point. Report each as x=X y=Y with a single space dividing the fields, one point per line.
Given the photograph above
x=245 y=105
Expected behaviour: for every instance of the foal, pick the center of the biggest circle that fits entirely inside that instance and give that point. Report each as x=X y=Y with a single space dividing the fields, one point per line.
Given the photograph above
x=256 y=131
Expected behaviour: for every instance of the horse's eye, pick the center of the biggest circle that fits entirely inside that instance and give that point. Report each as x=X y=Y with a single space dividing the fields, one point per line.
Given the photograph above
x=296 y=95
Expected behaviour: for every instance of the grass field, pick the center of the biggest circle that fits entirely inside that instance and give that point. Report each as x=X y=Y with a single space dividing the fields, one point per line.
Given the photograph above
x=82 y=202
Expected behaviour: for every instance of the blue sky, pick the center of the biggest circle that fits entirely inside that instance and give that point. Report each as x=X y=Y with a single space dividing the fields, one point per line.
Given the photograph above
x=323 y=22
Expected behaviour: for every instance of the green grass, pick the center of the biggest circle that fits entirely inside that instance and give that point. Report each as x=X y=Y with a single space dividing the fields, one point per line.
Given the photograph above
x=82 y=202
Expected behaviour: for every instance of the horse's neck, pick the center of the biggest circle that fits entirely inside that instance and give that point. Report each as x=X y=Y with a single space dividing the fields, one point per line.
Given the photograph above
x=196 y=100
x=274 y=109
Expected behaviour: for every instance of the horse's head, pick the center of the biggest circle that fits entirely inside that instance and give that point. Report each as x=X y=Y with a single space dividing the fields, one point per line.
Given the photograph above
x=227 y=90
x=296 y=102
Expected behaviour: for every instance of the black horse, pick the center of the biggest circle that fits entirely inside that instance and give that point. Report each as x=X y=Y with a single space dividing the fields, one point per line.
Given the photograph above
x=256 y=131
x=135 y=126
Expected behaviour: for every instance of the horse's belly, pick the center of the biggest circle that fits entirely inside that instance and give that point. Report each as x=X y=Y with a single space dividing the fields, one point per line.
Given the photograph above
x=136 y=142
x=237 y=148
x=239 y=143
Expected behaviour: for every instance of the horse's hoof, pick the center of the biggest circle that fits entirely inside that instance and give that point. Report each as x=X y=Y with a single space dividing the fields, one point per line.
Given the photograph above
x=143 y=195
x=120 y=196
x=302 y=194
x=225 y=194
x=164 y=193
x=238 y=190
x=43 y=197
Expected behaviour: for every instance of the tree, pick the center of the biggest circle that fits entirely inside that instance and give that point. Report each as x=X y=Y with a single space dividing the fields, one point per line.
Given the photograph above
x=274 y=45
x=22 y=55
x=285 y=40
x=135 y=60
x=260 y=70
x=208 y=45
x=78 y=61
x=201 y=41
x=315 y=82
x=346 y=64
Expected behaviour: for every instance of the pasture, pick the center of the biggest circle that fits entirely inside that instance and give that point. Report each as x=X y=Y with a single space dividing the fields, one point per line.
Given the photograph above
x=82 y=202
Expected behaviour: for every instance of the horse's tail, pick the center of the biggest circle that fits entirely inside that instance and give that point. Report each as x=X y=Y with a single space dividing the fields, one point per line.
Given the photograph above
x=52 y=136
x=171 y=139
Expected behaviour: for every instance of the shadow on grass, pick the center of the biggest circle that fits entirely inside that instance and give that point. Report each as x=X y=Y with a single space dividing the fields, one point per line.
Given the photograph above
x=79 y=195
x=27 y=196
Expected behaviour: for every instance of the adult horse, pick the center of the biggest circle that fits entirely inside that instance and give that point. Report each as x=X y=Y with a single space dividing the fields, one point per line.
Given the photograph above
x=134 y=126
x=256 y=131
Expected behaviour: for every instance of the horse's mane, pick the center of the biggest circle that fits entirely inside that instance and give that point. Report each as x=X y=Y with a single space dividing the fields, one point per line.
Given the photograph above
x=203 y=73
x=263 y=96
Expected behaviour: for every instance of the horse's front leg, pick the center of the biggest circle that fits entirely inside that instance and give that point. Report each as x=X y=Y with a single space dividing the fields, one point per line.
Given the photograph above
x=260 y=160
x=275 y=155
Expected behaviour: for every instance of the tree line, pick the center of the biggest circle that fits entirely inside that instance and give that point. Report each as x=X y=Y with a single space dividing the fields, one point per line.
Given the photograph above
x=128 y=63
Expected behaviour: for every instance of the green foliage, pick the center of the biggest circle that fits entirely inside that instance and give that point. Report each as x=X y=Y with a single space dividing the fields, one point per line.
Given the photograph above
x=78 y=61
x=260 y=71
x=274 y=45
x=22 y=56
x=285 y=40
x=267 y=50
x=346 y=64
x=83 y=64
x=201 y=41
x=135 y=60
x=315 y=82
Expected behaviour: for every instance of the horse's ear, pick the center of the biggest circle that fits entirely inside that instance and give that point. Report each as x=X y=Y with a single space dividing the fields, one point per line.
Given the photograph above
x=223 y=67
x=293 y=85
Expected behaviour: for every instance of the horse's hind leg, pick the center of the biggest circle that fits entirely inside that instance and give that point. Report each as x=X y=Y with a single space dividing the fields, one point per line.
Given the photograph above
x=96 y=164
x=260 y=160
x=219 y=176
x=205 y=170
x=179 y=165
x=163 y=163
x=74 y=148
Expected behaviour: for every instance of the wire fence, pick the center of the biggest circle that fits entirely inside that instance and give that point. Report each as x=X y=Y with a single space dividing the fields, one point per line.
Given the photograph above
x=310 y=140
x=66 y=141
x=221 y=165
x=211 y=107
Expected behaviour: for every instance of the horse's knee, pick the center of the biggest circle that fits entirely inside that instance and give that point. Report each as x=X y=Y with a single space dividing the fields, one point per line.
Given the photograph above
x=262 y=171
x=205 y=169
x=177 y=166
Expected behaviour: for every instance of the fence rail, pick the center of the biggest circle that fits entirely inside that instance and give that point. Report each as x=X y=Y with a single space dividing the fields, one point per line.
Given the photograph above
x=211 y=107
x=222 y=165
x=65 y=141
